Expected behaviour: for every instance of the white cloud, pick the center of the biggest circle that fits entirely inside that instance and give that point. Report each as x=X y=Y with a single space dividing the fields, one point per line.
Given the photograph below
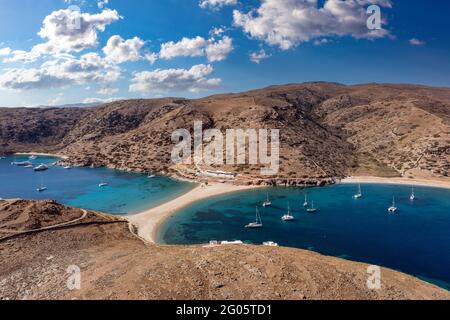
x=175 y=80
x=416 y=42
x=214 y=4
x=67 y=31
x=151 y=57
x=56 y=100
x=218 y=51
x=185 y=48
x=22 y=56
x=287 y=23
x=197 y=47
x=101 y=100
x=107 y=91
x=102 y=3
x=59 y=72
x=322 y=41
x=5 y=51
x=118 y=50
x=73 y=31
x=257 y=57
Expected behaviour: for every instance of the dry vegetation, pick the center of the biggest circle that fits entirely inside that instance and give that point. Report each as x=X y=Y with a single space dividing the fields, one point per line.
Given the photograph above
x=327 y=130
x=116 y=265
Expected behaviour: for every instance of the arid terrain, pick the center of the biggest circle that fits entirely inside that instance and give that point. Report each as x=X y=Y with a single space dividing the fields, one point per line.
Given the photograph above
x=328 y=131
x=115 y=264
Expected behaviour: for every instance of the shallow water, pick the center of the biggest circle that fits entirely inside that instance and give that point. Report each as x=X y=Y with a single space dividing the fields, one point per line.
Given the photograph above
x=126 y=192
x=415 y=241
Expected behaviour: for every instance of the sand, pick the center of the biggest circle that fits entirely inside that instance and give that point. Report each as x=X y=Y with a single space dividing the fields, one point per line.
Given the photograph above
x=150 y=220
x=399 y=181
x=38 y=154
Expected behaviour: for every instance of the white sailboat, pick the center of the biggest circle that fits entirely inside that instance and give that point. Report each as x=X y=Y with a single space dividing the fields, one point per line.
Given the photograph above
x=288 y=216
x=412 y=197
x=359 y=194
x=103 y=184
x=305 y=204
x=257 y=223
x=393 y=208
x=267 y=203
x=312 y=209
x=42 y=188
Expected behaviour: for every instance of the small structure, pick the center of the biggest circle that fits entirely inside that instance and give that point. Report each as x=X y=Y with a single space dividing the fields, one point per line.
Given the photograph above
x=220 y=174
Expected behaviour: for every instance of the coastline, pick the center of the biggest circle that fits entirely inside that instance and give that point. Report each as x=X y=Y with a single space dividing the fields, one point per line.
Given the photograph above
x=39 y=154
x=398 y=181
x=149 y=221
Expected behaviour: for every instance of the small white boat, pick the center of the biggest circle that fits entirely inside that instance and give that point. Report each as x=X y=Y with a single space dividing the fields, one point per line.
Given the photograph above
x=267 y=203
x=258 y=223
x=41 y=167
x=22 y=163
x=412 y=197
x=288 y=217
x=359 y=194
x=67 y=167
x=312 y=209
x=270 y=244
x=32 y=157
x=305 y=204
x=151 y=176
x=103 y=184
x=393 y=208
x=41 y=189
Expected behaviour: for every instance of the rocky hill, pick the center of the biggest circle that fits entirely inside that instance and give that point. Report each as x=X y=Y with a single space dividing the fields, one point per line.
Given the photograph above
x=327 y=130
x=115 y=264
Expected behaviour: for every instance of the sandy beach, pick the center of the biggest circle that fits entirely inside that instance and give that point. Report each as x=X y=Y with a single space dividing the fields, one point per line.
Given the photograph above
x=399 y=181
x=148 y=221
x=38 y=154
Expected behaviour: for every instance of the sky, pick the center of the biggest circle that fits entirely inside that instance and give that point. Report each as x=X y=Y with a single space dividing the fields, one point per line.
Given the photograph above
x=56 y=52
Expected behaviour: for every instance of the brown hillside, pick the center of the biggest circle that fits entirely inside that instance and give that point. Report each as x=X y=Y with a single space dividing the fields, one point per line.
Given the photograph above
x=327 y=130
x=115 y=264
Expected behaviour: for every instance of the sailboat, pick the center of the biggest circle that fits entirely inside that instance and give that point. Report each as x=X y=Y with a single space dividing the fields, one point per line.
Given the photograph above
x=412 y=197
x=312 y=209
x=41 y=167
x=288 y=216
x=103 y=184
x=305 y=204
x=267 y=203
x=359 y=194
x=257 y=223
x=393 y=208
x=42 y=188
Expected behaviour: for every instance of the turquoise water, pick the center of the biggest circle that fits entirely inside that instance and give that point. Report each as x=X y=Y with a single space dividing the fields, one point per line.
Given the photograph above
x=126 y=192
x=415 y=241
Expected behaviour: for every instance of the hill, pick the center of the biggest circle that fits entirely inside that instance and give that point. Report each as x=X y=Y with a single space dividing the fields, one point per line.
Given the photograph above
x=328 y=130
x=115 y=264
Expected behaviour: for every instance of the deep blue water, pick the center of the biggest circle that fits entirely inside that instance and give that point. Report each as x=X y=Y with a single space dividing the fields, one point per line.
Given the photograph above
x=415 y=241
x=126 y=192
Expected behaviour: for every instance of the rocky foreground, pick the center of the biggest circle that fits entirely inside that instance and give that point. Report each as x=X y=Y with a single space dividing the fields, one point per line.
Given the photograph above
x=115 y=264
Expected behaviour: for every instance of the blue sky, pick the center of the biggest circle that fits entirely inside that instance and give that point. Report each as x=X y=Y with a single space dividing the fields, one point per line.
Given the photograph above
x=296 y=41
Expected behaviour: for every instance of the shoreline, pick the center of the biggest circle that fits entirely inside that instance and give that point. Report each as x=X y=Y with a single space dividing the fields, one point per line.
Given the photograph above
x=149 y=221
x=397 y=181
x=40 y=154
